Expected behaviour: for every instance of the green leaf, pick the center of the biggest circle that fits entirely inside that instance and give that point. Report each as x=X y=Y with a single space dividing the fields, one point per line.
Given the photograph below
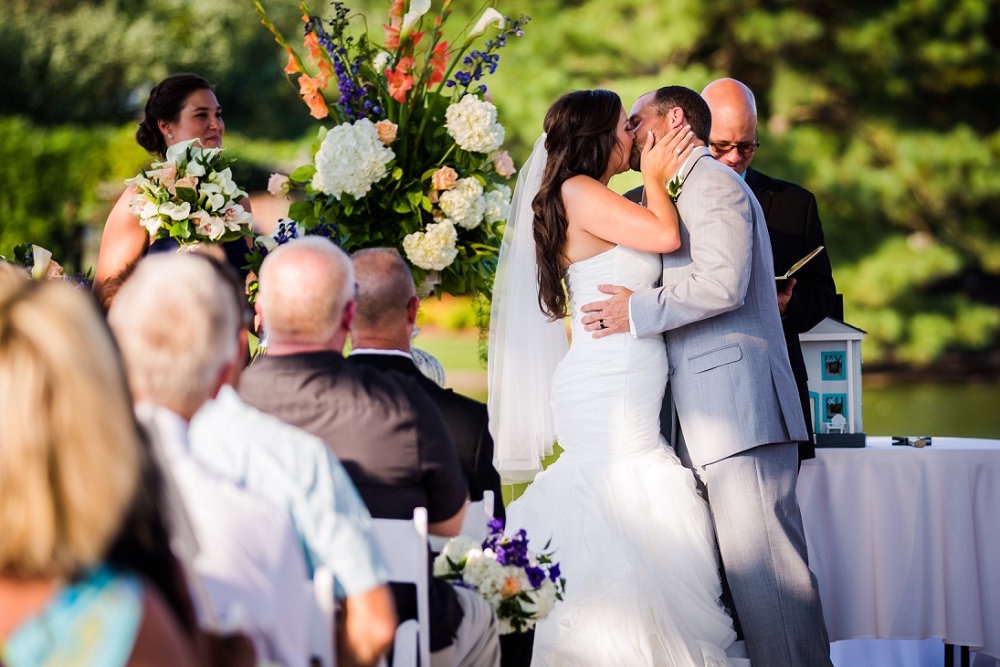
x=190 y=195
x=303 y=174
x=300 y=211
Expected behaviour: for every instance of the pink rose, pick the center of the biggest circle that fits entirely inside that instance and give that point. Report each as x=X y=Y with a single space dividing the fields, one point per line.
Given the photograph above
x=503 y=164
x=444 y=178
x=433 y=196
x=278 y=185
x=386 y=131
x=186 y=182
x=167 y=175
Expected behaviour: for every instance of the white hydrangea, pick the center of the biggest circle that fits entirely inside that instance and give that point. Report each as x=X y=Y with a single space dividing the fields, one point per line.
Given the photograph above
x=472 y=123
x=433 y=249
x=455 y=550
x=464 y=203
x=497 y=203
x=350 y=159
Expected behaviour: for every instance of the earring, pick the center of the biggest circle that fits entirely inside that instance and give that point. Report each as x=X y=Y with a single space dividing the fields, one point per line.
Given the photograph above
x=170 y=136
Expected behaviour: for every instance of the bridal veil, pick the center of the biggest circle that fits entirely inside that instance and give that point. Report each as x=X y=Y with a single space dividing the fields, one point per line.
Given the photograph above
x=525 y=347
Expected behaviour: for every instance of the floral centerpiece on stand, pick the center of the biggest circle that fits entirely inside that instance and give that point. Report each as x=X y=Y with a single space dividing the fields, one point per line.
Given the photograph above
x=38 y=263
x=412 y=160
x=191 y=197
x=520 y=585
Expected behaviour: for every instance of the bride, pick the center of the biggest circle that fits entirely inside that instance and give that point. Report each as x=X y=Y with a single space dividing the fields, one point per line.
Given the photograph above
x=634 y=539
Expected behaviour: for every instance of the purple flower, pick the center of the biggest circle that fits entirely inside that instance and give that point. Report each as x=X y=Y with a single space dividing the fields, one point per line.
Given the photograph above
x=536 y=576
x=554 y=572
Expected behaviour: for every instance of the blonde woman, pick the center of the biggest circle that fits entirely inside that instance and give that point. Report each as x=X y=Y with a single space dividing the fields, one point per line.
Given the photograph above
x=69 y=467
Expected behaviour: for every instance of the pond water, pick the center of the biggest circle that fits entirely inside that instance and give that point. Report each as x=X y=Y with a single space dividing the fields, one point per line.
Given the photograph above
x=959 y=410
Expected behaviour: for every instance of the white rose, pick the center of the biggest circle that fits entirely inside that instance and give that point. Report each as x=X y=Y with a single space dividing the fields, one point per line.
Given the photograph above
x=471 y=122
x=434 y=249
x=464 y=203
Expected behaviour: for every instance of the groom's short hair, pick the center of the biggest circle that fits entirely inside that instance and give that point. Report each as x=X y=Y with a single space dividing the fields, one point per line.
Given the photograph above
x=696 y=110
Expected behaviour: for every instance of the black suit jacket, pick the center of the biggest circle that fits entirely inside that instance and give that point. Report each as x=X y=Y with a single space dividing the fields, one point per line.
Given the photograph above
x=795 y=230
x=467 y=421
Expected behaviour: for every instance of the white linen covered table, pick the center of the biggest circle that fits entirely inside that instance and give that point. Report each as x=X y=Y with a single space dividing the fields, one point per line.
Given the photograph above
x=905 y=542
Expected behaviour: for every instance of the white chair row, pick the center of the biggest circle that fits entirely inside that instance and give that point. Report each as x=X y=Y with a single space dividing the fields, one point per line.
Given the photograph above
x=404 y=547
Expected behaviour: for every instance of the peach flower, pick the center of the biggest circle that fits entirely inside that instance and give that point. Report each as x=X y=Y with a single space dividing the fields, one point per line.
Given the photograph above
x=439 y=61
x=511 y=587
x=292 y=67
x=167 y=175
x=386 y=131
x=444 y=178
x=503 y=164
x=186 y=182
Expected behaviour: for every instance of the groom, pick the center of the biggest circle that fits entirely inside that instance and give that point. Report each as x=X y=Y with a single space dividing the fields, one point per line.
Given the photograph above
x=734 y=396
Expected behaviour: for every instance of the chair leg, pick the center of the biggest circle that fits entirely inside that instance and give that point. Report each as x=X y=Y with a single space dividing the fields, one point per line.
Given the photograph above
x=966 y=656
x=949 y=655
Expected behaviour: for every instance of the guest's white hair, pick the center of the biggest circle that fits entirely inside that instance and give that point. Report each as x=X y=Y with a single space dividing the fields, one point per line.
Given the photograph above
x=304 y=287
x=177 y=325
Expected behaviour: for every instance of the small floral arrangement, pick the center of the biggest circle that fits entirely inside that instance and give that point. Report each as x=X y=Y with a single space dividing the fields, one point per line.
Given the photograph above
x=521 y=586
x=413 y=159
x=191 y=197
x=38 y=263
x=285 y=231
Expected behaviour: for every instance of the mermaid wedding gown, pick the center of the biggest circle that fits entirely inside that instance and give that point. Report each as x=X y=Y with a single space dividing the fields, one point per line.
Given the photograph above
x=634 y=539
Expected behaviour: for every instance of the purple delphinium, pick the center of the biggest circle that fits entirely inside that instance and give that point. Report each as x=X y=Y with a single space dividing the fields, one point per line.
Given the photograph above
x=480 y=63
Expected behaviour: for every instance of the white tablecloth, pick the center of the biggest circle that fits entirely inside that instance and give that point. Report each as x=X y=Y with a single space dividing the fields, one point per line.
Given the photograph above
x=905 y=542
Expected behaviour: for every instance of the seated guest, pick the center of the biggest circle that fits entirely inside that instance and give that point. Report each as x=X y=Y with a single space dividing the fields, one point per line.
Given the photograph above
x=297 y=472
x=384 y=429
x=176 y=323
x=70 y=460
x=380 y=337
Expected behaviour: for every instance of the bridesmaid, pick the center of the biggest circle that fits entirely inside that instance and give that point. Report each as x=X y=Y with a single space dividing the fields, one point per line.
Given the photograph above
x=179 y=108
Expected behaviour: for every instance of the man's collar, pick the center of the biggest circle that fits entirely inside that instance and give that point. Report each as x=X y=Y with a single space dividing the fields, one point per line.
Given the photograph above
x=697 y=153
x=387 y=353
x=170 y=426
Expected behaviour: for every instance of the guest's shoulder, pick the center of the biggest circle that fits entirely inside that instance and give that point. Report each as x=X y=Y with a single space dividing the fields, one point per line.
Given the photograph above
x=759 y=181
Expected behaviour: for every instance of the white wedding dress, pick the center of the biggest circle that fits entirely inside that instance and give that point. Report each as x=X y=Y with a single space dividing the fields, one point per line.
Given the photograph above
x=634 y=539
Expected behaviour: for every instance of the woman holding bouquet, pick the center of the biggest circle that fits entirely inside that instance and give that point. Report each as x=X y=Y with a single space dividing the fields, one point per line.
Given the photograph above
x=182 y=107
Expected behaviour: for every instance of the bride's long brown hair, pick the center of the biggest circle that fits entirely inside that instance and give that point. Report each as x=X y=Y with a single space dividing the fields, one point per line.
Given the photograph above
x=581 y=130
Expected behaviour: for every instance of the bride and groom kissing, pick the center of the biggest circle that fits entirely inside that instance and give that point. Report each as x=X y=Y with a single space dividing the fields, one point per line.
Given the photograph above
x=629 y=522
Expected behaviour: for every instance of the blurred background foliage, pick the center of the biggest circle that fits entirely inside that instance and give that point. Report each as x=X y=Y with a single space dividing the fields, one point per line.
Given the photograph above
x=885 y=109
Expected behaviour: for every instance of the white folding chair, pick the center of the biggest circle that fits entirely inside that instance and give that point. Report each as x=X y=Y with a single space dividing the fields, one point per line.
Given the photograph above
x=404 y=547
x=322 y=637
x=474 y=525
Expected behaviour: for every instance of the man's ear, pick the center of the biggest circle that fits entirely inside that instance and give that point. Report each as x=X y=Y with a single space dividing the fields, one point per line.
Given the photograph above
x=349 y=311
x=675 y=118
x=412 y=306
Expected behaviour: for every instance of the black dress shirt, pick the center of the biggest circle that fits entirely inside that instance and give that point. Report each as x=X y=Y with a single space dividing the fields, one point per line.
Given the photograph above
x=467 y=421
x=390 y=438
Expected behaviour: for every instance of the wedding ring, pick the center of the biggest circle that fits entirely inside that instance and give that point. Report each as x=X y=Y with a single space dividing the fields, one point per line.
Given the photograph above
x=677 y=150
x=602 y=324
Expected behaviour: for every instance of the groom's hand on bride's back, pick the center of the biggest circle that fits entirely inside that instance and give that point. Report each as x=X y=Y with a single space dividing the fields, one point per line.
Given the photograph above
x=608 y=317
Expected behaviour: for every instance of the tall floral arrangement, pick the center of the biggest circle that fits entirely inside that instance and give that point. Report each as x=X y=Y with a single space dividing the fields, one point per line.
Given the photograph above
x=412 y=158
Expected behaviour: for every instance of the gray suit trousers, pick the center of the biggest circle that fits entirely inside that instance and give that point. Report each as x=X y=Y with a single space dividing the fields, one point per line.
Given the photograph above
x=763 y=548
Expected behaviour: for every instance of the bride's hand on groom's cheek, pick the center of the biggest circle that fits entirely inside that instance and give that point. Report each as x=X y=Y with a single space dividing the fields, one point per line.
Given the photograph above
x=608 y=317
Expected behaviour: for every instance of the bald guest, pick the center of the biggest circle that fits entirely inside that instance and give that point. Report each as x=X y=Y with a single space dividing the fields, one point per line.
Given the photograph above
x=792 y=224
x=380 y=337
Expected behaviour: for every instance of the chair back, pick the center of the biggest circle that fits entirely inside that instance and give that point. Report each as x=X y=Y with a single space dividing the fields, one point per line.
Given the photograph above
x=404 y=548
x=322 y=637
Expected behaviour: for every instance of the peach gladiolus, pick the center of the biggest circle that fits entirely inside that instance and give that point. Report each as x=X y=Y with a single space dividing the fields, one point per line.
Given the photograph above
x=324 y=74
x=317 y=106
x=292 y=67
x=399 y=84
x=396 y=11
x=439 y=61
x=392 y=33
x=315 y=50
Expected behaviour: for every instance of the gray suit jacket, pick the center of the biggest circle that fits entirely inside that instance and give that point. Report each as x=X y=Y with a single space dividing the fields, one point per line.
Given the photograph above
x=717 y=309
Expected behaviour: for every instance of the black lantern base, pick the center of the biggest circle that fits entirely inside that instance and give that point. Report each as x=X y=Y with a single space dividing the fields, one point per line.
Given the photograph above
x=515 y=649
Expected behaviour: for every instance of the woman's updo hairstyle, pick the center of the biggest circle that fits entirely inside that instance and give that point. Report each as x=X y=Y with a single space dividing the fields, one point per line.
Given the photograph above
x=165 y=102
x=581 y=137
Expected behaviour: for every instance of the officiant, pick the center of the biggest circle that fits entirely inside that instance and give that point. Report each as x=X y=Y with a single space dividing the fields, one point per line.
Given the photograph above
x=793 y=226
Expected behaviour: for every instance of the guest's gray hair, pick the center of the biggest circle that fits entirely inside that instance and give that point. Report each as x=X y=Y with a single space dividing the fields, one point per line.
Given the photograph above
x=177 y=325
x=304 y=287
x=385 y=285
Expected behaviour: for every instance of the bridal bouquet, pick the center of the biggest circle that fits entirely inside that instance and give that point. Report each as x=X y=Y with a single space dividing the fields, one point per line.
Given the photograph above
x=38 y=263
x=191 y=197
x=413 y=158
x=521 y=586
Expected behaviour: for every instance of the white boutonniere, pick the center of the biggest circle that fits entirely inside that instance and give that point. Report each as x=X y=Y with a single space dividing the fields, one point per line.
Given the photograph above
x=674 y=188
